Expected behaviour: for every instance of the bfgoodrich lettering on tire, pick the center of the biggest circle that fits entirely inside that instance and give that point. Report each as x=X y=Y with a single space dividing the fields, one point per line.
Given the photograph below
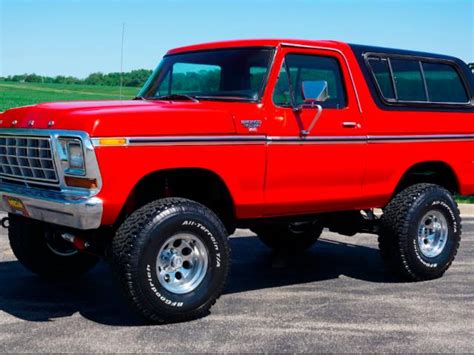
x=420 y=232
x=172 y=256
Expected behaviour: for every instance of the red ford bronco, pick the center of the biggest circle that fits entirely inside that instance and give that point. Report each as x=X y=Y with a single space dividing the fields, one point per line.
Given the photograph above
x=285 y=137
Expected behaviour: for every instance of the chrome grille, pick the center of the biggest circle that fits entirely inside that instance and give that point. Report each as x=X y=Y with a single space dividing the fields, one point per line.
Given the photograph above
x=27 y=159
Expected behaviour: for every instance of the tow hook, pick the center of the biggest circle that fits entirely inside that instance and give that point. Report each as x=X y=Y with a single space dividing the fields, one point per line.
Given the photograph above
x=79 y=243
x=5 y=222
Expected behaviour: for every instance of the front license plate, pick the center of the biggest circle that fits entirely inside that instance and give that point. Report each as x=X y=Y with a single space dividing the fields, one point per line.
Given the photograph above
x=16 y=205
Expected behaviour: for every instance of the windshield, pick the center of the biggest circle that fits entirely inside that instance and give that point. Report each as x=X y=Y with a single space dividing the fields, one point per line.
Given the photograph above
x=220 y=74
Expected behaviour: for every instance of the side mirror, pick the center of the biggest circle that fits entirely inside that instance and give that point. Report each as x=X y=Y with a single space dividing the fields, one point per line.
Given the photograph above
x=314 y=91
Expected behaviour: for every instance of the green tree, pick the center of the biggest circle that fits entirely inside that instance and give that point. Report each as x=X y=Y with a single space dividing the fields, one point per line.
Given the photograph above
x=33 y=78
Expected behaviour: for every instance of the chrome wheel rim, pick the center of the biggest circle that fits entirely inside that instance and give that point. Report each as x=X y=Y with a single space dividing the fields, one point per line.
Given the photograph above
x=182 y=263
x=432 y=234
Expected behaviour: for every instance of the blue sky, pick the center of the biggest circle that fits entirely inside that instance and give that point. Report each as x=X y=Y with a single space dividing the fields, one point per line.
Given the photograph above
x=77 y=37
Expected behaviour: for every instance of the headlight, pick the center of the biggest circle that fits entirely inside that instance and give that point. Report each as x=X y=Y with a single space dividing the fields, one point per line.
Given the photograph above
x=76 y=158
x=72 y=156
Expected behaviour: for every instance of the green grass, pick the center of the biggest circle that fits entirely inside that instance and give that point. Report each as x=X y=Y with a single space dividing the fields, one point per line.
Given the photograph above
x=21 y=94
x=467 y=199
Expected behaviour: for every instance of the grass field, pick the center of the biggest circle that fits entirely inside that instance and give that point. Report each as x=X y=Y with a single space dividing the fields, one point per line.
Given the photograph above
x=21 y=94
x=467 y=199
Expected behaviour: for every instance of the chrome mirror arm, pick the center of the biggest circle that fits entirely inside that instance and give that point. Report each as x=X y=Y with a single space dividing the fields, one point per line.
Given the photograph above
x=305 y=132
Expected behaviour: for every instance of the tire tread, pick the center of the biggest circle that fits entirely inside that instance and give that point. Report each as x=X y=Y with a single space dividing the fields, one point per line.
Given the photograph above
x=394 y=229
x=124 y=256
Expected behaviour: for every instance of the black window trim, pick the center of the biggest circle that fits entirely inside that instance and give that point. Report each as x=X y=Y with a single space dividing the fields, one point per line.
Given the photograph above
x=420 y=60
x=341 y=74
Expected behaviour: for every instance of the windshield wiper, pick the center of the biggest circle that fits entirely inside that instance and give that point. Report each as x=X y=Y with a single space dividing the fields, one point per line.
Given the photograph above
x=139 y=98
x=227 y=98
x=176 y=97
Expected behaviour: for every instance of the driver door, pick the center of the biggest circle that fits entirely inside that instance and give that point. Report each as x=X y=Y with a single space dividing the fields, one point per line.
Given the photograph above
x=323 y=170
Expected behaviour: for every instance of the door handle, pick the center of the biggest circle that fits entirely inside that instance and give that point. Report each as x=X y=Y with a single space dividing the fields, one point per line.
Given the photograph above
x=350 y=125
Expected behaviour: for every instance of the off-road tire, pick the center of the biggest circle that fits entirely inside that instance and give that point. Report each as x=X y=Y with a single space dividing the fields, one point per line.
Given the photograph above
x=135 y=250
x=399 y=230
x=30 y=246
x=280 y=236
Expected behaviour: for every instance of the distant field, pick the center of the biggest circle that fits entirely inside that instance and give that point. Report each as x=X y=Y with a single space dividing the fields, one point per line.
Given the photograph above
x=21 y=94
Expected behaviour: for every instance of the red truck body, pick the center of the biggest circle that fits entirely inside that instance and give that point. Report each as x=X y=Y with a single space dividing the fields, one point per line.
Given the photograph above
x=271 y=170
x=295 y=136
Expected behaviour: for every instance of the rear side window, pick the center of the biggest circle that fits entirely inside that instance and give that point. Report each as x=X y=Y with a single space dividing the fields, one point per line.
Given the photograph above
x=381 y=72
x=413 y=80
x=408 y=80
x=444 y=83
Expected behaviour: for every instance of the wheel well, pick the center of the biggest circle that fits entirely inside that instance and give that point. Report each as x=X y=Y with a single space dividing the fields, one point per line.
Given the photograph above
x=199 y=185
x=430 y=172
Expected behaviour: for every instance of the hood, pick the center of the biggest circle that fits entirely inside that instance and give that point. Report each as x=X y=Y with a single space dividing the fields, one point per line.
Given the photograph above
x=124 y=118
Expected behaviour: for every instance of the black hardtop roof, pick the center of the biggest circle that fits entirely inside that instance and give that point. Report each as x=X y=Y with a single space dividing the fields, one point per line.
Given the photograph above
x=360 y=49
x=468 y=77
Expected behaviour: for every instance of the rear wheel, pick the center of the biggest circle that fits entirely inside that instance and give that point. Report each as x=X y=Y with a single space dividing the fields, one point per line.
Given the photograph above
x=420 y=232
x=42 y=250
x=297 y=235
x=172 y=257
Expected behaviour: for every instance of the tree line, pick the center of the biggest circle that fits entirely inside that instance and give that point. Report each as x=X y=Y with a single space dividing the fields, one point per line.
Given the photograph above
x=134 y=78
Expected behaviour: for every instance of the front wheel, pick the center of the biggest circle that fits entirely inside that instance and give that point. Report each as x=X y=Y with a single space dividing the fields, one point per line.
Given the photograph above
x=420 y=232
x=42 y=250
x=172 y=256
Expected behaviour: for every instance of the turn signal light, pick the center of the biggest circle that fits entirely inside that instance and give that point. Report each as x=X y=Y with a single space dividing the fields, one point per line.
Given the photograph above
x=80 y=182
x=112 y=141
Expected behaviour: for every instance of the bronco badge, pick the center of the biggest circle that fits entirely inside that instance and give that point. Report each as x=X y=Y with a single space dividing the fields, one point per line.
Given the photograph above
x=252 y=125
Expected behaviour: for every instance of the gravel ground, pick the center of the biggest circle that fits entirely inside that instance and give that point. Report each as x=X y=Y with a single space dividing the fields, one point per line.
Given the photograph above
x=334 y=298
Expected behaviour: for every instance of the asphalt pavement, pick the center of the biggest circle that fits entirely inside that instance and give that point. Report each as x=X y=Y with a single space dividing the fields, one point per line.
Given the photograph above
x=334 y=298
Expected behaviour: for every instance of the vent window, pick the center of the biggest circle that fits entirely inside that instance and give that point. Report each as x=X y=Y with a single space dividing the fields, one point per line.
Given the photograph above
x=381 y=72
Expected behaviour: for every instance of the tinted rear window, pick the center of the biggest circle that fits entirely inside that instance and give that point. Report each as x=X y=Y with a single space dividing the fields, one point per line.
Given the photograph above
x=417 y=80
x=408 y=80
x=382 y=74
x=444 y=83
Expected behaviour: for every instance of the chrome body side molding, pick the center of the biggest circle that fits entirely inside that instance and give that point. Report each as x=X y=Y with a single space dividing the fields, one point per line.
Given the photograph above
x=261 y=139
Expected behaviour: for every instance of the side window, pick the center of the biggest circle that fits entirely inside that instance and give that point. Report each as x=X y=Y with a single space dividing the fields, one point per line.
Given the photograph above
x=444 y=83
x=408 y=80
x=307 y=68
x=415 y=80
x=381 y=71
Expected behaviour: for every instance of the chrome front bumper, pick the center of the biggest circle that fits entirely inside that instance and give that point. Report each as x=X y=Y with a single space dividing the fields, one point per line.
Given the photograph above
x=51 y=202
x=71 y=210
